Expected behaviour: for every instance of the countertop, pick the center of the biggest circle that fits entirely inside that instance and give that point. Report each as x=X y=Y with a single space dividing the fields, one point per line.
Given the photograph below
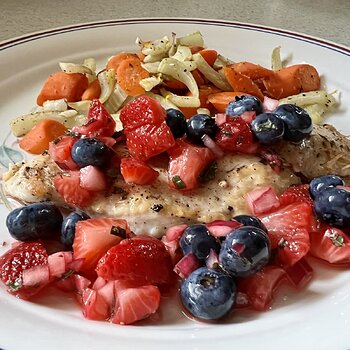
x=327 y=19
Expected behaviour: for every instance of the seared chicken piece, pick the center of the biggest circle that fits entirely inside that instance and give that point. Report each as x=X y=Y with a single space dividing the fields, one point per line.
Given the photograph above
x=326 y=151
x=33 y=181
x=151 y=209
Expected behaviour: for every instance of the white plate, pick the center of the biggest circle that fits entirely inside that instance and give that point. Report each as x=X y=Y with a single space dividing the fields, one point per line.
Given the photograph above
x=317 y=318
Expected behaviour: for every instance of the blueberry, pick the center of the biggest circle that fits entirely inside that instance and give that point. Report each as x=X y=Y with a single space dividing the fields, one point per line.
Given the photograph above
x=318 y=184
x=199 y=125
x=176 y=122
x=90 y=151
x=35 y=221
x=68 y=227
x=245 y=251
x=243 y=104
x=268 y=128
x=248 y=220
x=208 y=294
x=332 y=205
x=298 y=124
x=197 y=239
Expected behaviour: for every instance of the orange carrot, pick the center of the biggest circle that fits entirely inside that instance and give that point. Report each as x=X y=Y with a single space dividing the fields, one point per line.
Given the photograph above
x=195 y=49
x=209 y=55
x=198 y=77
x=63 y=85
x=129 y=75
x=242 y=83
x=292 y=80
x=220 y=100
x=93 y=91
x=37 y=139
x=252 y=70
x=174 y=84
x=204 y=92
x=115 y=60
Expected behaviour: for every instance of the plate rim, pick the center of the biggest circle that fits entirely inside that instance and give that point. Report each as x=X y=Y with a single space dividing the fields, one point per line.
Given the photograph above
x=36 y=35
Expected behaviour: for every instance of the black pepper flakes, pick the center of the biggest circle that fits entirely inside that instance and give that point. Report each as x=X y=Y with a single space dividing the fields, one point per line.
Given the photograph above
x=157 y=207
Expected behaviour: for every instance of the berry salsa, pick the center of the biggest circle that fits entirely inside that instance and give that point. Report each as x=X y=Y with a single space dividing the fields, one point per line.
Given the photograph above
x=189 y=114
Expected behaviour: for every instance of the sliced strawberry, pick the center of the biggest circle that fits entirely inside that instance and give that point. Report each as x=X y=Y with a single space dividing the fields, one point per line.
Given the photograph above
x=144 y=260
x=146 y=132
x=137 y=172
x=331 y=244
x=259 y=289
x=235 y=135
x=93 y=237
x=99 y=122
x=60 y=151
x=149 y=140
x=187 y=163
x=300 y=274
x=134 y=303
x=297 y=193
x=289 y=229
x=140 y=112
x=94 y=305
x=24 y=269
x=68 y=186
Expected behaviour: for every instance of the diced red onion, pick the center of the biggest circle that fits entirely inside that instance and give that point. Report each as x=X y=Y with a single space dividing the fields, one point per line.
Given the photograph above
x=187 y=265
x=209 y=142
x=221 y=228
x=175 y=232
x=220 y=118
x=248 y=116
x=262 y=199
x=212 y=259
x=269 y=104
x=81 y=283
x=92 y=178
x=57 y=264
x=76 y=264
x=36 y=276
x=99 y=283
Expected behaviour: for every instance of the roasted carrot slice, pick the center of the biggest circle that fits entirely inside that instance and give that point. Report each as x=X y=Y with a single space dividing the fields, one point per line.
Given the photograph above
x=252 y=70
x=37 y=139
x=69 y=86
x=129 y=75
x=93 y=91
x=242 y=83
x=115 y=60
x=175 y=84
x=220 y=100
x=292 y=80
x=204 y=92
x=198 y=77
x=209 y=55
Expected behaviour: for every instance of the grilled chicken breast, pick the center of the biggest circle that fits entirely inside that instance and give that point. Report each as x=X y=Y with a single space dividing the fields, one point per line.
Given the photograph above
x=325 y=151
x=153 y=208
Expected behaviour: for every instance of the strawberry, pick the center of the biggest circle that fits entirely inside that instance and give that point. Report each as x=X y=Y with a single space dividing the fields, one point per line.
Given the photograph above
x=134 y=303
x=140 y=112
x=297 y=193
x=289 y=229
x=235 y=135
x=187 y=163
x=60 y=151
x=99 y=122
x=24 y=269
x=146 y=132
x=144 y=260
x=93 y=179
x=137 y=172
x=68 y=186
x=93 y=237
